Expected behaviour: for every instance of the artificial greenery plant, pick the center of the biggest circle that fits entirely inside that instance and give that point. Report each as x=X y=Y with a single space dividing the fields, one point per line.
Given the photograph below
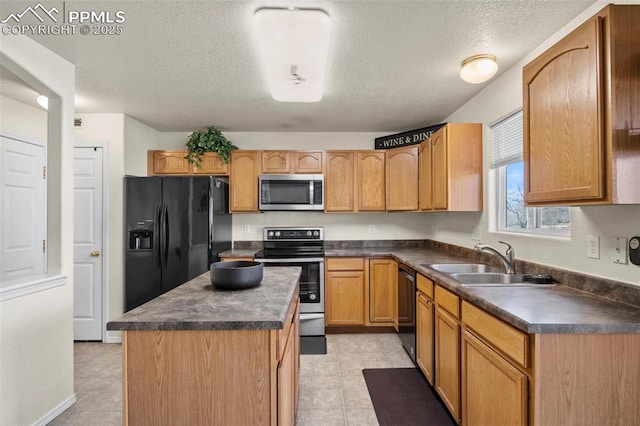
x=208 y=140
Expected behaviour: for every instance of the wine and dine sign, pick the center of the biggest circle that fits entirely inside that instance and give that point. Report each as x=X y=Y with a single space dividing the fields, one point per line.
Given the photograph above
x=411 y=137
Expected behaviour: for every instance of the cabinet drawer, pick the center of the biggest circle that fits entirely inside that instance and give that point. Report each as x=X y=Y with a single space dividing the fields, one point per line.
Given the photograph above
x=509 y=340
x=448 y=301
x=345 y=264
x=424 y=285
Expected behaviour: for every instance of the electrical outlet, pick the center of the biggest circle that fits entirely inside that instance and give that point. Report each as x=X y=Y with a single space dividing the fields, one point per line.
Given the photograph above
x=372 y=229
x=475 y=234
x=619 y=254
x=593 y=246
x=246 y=229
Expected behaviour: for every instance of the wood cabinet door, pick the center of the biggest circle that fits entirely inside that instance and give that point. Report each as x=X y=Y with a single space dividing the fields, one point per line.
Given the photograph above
x=167 y=163
x=439 y=170
x=448 y=361
x=371 y=181
x=402 y=179
x=425 y=338
x=493 y=390
x=339 y=181
x=424 y=176
x=382 y=276
x=564 y=119
x=276 y=162
x=211 y=164
x=344 y=297
x=307 y=161
x=287 y=382
x=243 y=181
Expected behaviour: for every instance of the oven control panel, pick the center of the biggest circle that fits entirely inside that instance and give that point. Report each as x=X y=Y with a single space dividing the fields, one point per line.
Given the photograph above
x=293 y=234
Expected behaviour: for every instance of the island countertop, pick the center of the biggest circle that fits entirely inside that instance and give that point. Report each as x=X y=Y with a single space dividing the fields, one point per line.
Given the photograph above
x=197 y=305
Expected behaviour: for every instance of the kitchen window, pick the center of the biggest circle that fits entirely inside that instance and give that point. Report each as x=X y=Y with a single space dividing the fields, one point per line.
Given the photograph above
x=508 y=167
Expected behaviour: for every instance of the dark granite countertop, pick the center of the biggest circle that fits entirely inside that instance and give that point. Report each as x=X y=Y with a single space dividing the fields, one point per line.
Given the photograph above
x=545 y=309
x=561 y=308
x=197 y=305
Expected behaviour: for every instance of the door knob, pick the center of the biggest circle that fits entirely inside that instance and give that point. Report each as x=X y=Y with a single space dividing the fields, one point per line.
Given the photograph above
x=95 y=253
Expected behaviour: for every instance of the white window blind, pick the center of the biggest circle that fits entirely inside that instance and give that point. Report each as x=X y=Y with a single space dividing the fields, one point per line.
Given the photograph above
x=507 y=140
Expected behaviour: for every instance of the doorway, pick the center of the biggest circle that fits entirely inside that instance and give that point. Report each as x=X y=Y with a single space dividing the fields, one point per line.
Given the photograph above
x=88 y=251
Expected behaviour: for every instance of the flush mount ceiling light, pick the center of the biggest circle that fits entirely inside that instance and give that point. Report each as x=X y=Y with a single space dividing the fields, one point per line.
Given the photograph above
x=478 y=69
x=294 y=47
x=43 y=101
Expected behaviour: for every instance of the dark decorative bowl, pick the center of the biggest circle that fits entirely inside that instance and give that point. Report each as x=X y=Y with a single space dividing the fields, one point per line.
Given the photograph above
x=236 y=275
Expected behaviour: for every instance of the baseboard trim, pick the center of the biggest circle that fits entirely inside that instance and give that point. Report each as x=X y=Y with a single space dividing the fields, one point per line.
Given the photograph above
x=61 y=408
x=115 y=337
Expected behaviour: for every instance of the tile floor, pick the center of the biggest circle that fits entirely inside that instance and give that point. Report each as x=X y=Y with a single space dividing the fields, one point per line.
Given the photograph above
x=332 y=388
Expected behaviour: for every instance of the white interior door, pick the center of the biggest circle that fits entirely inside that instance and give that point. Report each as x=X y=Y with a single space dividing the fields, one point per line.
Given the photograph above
x=22 y=209
x=88 y=245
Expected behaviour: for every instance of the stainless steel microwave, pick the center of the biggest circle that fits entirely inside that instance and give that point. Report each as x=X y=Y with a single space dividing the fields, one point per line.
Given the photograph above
x=291 y=192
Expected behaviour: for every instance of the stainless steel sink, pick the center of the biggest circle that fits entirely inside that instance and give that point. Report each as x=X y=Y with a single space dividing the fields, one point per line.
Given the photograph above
x=493 y=279
x=462 y=268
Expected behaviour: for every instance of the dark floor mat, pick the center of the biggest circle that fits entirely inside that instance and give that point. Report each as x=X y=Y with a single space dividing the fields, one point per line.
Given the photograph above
x=313 y=345
x=402 y=396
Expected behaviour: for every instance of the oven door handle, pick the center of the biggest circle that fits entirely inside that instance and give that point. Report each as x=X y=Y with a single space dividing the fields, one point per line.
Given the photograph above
x=307 y=317
x=293 y=260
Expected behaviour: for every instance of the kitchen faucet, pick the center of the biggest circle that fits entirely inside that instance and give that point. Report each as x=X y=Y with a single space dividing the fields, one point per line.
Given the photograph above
x=507 y=260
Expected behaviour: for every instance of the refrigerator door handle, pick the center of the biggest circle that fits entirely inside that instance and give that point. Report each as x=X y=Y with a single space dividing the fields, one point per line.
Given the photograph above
x=166 y=235
x=211 y=210
x=162 y=236
x=156 y=235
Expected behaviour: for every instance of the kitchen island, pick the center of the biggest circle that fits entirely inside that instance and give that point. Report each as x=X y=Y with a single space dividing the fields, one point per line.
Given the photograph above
x=199 y=355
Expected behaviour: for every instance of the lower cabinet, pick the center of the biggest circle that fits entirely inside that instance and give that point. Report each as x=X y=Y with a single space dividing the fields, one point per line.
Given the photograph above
x=289 y=375
x=344 y=291
x=447 y=371
x=493 y=390
x=383 y=274
x=425 y=336
x=360 y=291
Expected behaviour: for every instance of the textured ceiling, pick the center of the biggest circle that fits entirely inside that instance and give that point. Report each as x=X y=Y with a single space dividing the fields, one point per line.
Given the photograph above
x=182 y=65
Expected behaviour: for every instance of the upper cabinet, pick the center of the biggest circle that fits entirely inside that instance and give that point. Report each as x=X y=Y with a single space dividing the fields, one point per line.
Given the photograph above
x=339 y=181
x=243 y=181
x=307 y=161
x=581 y=115
x=174 y=163
x=451 y=169
x=402 y=179
x=210 y=164
x=291 y=162
x=370 y=188
x=276 y=162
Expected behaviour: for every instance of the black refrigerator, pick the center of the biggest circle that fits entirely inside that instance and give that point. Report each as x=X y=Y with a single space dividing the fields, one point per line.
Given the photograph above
x=174 y=229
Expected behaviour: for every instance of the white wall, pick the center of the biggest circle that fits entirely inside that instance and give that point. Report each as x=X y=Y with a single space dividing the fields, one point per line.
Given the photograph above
x=107 y=130
x=138 y=137
x=355 y=226
x=25 y=121
x=36 y=330
x=126 y=141
x=501 y=97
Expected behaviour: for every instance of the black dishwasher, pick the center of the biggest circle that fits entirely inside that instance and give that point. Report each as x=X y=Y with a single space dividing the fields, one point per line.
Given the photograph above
x=406 y=327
